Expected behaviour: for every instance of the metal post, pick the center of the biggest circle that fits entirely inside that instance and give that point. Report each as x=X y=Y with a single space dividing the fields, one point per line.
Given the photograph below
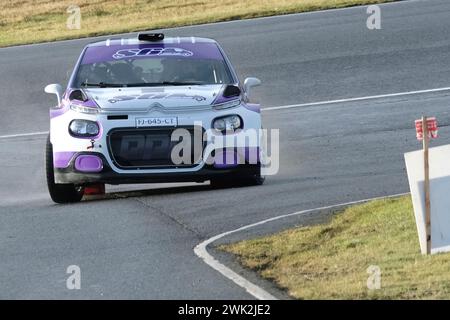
x=426 y=183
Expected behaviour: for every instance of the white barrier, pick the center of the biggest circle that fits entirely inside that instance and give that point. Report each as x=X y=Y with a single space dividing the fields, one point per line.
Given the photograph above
x=439 y=172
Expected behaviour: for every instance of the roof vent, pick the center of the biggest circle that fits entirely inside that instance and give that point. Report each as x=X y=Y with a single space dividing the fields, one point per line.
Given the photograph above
x=151 y=37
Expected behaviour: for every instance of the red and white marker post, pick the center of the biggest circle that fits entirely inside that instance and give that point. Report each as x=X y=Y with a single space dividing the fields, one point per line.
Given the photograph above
x=426 y=128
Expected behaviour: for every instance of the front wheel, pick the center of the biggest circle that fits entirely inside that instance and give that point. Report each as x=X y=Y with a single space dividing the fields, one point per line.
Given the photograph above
x=235 y=180
x=60 y=193
x=253 y=180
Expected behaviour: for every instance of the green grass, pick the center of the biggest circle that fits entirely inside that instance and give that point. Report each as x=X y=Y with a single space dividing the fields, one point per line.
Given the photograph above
x=31 y=21
x=330 y=261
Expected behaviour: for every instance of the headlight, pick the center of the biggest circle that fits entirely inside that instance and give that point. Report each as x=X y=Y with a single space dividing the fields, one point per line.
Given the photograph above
x=227 y=105
x=84 y=128
x=227 y=123
x=83 y=109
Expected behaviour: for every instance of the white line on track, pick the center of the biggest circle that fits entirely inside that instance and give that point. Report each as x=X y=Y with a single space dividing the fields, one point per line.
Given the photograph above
x=19 y=135
x=389 y=95
x=256 y=291
x=292 y=106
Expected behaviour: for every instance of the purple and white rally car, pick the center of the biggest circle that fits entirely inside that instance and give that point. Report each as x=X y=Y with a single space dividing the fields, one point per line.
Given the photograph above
x=152 y=109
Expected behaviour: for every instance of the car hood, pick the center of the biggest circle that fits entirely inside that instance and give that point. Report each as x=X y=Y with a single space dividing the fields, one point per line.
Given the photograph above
x=145 y=98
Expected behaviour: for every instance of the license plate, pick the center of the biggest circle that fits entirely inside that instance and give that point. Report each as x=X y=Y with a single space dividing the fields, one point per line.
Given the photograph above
x=157 y=122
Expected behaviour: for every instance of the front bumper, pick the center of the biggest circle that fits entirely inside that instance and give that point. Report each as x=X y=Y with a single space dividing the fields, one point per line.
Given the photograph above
x=107 y=175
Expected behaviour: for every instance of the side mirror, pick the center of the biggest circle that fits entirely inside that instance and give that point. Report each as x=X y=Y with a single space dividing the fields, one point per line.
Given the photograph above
x=250 y=83
x=55 y=89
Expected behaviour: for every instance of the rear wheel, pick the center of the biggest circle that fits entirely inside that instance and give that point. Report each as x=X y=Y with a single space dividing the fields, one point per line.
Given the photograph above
x=60 y=193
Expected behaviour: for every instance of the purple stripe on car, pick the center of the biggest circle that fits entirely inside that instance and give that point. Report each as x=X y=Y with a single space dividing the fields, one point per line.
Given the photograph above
x=225 y=159
x=55 y=112
x=221 y=99
x=65 y=106
x=250 y=154
x=88 y=103
x=253 y=107
x=229 y=158
x=62 y=159
x=88 y=163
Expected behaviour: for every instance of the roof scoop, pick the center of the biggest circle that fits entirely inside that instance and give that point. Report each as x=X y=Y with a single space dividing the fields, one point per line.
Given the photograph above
x=152 y=37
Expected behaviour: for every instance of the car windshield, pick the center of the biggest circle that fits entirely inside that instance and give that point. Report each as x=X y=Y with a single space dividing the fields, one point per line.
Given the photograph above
x=151 y=67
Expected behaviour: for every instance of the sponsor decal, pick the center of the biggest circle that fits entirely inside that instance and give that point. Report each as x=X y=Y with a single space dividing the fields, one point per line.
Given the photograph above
x=148 y=52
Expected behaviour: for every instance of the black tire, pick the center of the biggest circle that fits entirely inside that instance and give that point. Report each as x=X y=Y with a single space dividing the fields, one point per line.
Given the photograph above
x=237 y=181
x=224 y=182
x=254 y=180
x=60 y=193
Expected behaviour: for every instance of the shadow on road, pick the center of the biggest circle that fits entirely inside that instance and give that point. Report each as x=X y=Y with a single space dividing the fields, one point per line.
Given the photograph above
x=148 y=192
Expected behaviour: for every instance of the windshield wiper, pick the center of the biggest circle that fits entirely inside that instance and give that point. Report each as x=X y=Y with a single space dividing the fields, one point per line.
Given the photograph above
x=102 y=84
x=142 y=84
x=165 y=83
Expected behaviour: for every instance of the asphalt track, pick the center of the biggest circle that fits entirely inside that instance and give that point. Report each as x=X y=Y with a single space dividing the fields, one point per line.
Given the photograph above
x=140 y=245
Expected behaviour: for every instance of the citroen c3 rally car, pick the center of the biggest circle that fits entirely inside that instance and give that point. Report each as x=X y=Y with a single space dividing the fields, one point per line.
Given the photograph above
x=152 y=109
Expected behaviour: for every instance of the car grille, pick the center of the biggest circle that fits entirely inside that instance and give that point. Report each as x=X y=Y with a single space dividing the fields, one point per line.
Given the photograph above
x=150 y=148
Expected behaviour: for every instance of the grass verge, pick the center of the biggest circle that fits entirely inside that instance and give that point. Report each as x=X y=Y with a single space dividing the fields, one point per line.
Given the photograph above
x=330 y=261
x=31 y=21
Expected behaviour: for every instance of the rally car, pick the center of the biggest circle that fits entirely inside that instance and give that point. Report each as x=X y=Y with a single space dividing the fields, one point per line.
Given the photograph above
x=152 y=109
